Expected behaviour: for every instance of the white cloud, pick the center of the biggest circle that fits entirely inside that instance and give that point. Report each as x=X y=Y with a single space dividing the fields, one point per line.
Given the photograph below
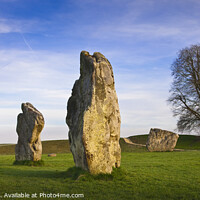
x=4 y=28
x=46 y=78
x=8 y=133
x=153 y=31
x=8 y=116
x=150 y=21
x=10 y=25
x=149 y=31
x=145 y=109
x=55 y=126
x=55 y=132
x=23 y=70
x=21 y=26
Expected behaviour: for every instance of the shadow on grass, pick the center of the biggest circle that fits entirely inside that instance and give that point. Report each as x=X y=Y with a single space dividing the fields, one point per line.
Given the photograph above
x=73 y=173
x=32 y=172
x=29 y=162
x=76 y=173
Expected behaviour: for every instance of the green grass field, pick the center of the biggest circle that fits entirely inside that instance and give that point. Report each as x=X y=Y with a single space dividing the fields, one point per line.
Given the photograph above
x=142 y=175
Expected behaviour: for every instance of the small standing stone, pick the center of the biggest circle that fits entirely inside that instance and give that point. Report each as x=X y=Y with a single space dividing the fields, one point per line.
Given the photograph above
x=93 y=116
x=161 y=140
x=29 y=126
x=52 y=155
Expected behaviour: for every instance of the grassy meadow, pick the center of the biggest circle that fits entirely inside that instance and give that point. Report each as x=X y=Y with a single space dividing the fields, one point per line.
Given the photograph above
x=142 y=175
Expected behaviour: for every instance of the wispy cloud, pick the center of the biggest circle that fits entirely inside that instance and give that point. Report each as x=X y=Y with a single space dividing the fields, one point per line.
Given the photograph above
x=6 y=27
x=149 y=31
x=150 y=21
x=25 y=41
x=31 y=74
x=11 y=25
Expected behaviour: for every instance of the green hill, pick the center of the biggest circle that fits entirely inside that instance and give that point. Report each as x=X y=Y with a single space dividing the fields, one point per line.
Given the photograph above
x=49 y=146
x=187 y=142
x=62 y=146
x=55 y=146
x=130 y=148
x=139 y=139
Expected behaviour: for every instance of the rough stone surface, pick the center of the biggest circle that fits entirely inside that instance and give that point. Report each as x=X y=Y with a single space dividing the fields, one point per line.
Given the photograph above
x=93 y=116
x=29 y=126
x=161 y=140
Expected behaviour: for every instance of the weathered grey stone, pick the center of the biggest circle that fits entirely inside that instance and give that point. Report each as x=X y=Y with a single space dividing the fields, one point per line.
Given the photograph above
x=29 y=126
x=161 y=140
x=93 y=116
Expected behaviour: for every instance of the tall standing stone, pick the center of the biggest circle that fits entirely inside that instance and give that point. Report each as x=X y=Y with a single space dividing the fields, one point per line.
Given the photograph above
x=161 y=140
x=93 y=116
x=29 y=126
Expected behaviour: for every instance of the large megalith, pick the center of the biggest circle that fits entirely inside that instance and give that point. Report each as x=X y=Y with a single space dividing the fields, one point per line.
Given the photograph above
x=29 y=126
x=161 y=140
x=93 y=116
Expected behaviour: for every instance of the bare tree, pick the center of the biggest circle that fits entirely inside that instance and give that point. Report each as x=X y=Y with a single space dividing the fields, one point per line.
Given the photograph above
x=185 y=89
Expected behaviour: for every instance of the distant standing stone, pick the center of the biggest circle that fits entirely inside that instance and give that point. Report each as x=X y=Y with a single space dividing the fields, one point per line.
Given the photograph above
x=52 y=155
x=29 y=126
x=93 y=116
x=161 y=140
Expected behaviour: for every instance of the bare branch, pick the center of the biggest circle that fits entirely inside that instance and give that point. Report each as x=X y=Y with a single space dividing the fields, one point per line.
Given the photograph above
x=185 y=89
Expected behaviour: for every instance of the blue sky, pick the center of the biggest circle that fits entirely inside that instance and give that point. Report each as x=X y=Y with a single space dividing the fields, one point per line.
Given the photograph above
x=40 y=45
